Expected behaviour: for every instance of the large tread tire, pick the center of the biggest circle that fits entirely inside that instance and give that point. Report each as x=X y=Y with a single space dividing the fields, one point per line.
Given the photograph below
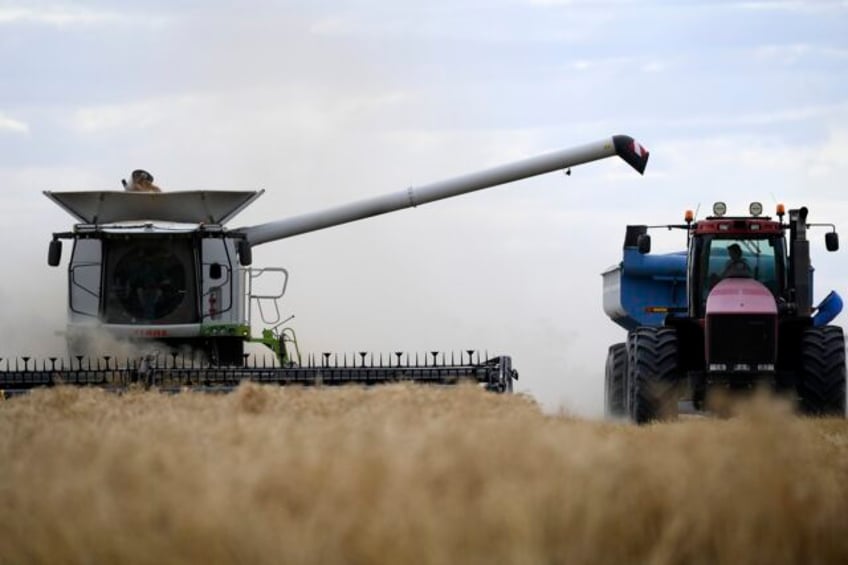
x=615 y=381
x=628 y=382
x=821 y=378
x=653 y=374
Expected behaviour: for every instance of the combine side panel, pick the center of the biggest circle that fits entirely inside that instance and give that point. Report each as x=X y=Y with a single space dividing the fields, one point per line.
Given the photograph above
x=220 y=300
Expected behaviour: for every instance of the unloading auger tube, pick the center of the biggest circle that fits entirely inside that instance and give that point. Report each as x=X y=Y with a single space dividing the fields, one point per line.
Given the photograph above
x=622 y=145
x=163 y=267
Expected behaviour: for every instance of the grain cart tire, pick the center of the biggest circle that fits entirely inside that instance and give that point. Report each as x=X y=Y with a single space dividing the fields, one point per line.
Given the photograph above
x=628 y=384
x=821 y=379
x=653 y=375
x=615 y=379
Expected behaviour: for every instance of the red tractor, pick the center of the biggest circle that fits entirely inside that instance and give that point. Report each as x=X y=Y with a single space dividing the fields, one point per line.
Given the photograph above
x=735 y=311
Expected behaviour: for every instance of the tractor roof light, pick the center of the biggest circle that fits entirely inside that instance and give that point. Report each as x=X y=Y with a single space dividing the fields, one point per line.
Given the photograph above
x=756 y=208
x=689 y=216
x=719 y=209
x=780 y=209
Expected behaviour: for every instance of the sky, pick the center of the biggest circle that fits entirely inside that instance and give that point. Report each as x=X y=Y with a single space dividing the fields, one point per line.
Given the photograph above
x=326 y=102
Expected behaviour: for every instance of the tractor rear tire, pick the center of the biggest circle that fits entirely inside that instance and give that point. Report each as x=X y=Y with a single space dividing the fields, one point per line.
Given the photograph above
x=615 y=381
x=653 y=374
x=821 y=379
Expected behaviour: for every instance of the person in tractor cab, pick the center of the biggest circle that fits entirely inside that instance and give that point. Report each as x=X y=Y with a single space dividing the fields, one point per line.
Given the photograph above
x=736 y=266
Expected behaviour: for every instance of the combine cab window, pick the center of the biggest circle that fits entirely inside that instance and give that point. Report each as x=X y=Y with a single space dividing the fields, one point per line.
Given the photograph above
x=150 y=281
x=760 y=259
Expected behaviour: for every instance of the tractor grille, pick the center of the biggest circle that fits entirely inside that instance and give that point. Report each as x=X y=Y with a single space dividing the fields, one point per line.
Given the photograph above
x=738 y=340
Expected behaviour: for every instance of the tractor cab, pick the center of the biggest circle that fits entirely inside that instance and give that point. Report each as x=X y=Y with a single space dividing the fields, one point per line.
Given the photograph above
x=724 y=248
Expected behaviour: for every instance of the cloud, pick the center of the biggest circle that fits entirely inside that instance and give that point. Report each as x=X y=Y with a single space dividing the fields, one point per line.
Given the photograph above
x=56 y=16
x=653 y=67
x=616 y=64
x=132 y=116
x=828 y=160
x=576 y=2
x=796 y=6
x=793 y=53
x=783 y=116
x=505 y=22
x=12 y=125
x=330 y=26
x=265 y=109
x=72 y=16
x=748 y=166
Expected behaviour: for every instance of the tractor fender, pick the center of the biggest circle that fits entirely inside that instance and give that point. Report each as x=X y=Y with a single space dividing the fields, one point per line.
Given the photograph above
x=828 y=309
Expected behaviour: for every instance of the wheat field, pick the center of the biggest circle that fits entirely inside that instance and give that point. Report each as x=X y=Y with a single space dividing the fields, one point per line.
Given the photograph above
x=406 y=474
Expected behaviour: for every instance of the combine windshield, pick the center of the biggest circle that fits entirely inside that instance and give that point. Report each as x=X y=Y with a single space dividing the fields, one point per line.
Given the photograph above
x=150 y=281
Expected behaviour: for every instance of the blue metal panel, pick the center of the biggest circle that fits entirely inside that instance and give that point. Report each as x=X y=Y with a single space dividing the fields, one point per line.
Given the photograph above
x=649 y=280
x=829 y=309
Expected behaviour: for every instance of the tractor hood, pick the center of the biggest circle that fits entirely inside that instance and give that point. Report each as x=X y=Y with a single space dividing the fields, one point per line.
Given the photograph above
x=740 y=296
x=190 y=207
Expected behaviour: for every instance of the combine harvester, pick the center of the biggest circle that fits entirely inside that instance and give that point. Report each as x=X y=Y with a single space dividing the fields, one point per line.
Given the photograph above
x=732 y=312
x=163 y=268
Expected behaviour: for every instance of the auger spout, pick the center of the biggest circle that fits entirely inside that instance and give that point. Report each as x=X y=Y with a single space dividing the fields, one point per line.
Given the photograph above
x=623 y=146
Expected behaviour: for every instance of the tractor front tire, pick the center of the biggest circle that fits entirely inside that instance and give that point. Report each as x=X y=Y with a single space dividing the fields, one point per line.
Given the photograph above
x=653 y=374
x=821 y=379
x=615 y=381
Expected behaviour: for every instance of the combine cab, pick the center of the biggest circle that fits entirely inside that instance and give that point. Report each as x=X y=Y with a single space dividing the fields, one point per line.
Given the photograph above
x=733 y=312
x=163 y=269
x=158 y=266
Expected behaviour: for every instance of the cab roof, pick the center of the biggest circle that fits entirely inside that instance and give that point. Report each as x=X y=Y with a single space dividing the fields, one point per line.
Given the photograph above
x=738 y=226
x=98 y=207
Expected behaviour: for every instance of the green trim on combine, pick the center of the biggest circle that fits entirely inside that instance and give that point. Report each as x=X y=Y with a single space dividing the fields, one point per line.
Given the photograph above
x=276 y=342
x=218 y=330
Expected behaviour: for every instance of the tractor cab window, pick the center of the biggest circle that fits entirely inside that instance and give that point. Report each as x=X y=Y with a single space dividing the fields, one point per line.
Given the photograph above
x=757 y=259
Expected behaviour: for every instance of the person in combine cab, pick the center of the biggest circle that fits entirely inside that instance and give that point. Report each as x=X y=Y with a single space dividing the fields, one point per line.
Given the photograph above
x=736 y=266
x=141 y=181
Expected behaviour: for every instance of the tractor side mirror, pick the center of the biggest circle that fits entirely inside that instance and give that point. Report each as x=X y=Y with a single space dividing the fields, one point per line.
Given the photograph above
x=831 y=241
x=54 y=253
x=245 y=253
x=215 y=271
x=643 y=243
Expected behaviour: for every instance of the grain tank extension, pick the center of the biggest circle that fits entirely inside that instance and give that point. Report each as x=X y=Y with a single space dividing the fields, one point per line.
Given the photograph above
x=165 y=268
x=732 y=312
